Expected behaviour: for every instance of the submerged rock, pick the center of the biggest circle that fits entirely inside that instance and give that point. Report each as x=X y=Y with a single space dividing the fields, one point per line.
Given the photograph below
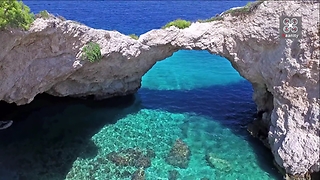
x=173 y=175
x=119 y=160
x=139 y=175
x=150 y=153
x=204 y=178
x=132 y=157
x=125 y=174
x=179 y=154
x=217 y=163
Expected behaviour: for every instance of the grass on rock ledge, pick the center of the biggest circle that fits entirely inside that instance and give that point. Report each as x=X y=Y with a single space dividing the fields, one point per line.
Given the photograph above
x=134 y=36
x=91 y=52
x=44 y=14
x=247 y=9
x=179 y=23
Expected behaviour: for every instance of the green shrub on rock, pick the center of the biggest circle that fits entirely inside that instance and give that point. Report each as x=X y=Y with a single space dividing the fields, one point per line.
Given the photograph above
x=91 y=52
x=14 y=14
x=133 y=36
x=179 y=23
x=44 y=14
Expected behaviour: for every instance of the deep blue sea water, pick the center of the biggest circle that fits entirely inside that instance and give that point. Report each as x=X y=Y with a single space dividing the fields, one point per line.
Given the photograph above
x=193 y=96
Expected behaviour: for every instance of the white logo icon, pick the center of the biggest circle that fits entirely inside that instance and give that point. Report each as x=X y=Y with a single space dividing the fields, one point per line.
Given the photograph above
x=290 y=25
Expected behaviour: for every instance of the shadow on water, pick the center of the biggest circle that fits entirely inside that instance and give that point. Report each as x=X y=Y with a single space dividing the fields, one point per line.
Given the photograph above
x=50 y=133
x=233 y=112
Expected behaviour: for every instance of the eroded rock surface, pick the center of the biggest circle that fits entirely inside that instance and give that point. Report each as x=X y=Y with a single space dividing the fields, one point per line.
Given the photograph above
x=284 y=73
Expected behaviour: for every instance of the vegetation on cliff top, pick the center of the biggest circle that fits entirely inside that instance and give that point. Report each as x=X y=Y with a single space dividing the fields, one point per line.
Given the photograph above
x=133 y=36
x=44 y=14
x=247 y=9
x=14 y=14
x=91 y=52
x=179 y=23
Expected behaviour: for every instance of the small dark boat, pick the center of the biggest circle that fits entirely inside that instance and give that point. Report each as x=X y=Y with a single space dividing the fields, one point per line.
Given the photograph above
x=5 y=124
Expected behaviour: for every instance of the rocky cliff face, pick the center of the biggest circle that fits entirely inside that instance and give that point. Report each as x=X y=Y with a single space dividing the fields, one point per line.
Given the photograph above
x=284 y=73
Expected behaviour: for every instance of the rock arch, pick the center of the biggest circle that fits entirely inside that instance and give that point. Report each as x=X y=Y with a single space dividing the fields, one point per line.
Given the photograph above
x=284 y=73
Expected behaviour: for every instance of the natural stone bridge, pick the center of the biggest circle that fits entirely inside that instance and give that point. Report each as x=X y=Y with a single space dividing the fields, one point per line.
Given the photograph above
x=284 y=73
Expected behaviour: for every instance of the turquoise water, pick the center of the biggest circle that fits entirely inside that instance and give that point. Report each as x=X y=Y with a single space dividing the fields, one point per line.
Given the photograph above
x=63 y=138
x=158 y=128
x=191 y=74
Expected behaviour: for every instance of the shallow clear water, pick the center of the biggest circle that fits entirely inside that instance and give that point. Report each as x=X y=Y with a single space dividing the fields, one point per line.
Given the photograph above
x=193 y=96
x=189 y=70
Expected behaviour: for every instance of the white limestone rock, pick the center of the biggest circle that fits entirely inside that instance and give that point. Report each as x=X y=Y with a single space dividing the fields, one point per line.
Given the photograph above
x=284 y=73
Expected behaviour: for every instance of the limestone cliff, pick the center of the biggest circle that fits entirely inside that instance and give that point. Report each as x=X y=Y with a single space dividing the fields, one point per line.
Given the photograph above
x=284 y=73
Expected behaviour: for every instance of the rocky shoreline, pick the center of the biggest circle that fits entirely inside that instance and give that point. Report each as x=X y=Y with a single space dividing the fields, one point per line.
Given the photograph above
x=258 y=129
x=284 y=73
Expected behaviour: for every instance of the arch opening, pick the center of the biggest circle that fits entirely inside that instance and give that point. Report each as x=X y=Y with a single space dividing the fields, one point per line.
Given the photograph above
x=215 y=93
